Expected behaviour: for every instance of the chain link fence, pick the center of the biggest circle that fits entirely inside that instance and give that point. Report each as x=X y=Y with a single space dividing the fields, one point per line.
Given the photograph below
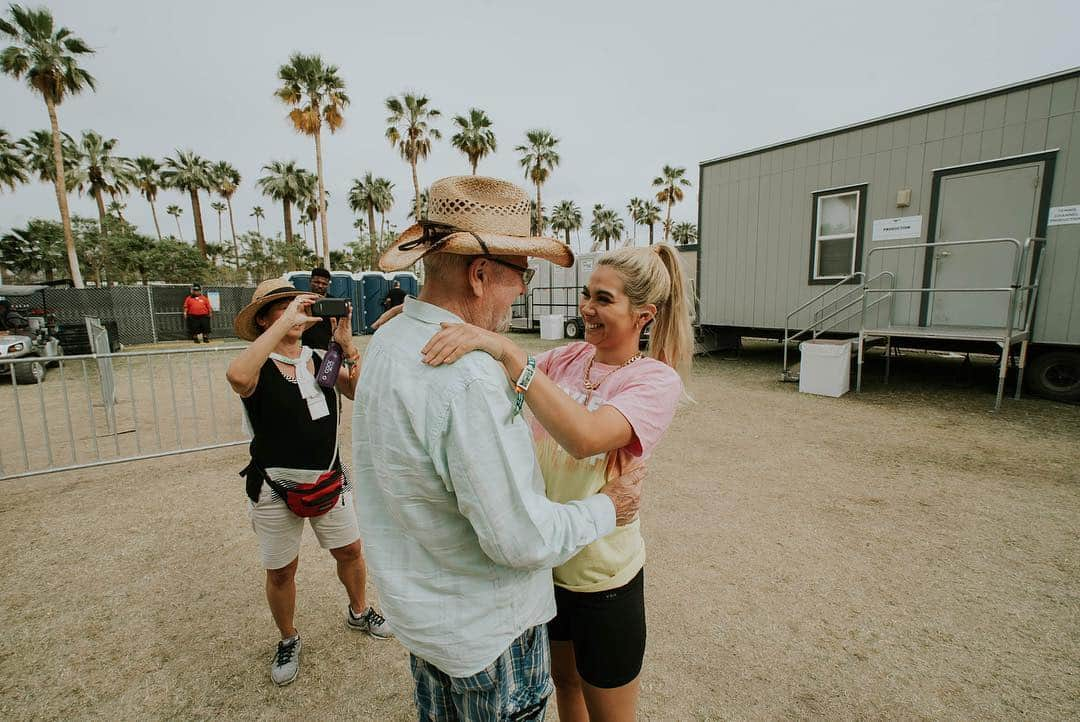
x=133 y=314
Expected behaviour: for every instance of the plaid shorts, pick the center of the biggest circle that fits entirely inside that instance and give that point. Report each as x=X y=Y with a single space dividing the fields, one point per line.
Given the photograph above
x=515 y=687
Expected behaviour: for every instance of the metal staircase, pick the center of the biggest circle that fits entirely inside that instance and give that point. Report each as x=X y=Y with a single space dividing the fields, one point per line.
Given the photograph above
x=831 y=309
x=828 y=311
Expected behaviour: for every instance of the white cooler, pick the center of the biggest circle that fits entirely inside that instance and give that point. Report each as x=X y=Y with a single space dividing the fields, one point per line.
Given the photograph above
x=825 y=368
x=551 y=327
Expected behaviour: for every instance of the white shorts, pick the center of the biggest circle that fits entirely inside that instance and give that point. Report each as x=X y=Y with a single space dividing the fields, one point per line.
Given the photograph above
x=279 y=530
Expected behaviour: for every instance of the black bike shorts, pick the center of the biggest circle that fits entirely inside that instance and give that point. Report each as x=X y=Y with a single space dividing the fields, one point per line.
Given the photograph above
x=607 y=630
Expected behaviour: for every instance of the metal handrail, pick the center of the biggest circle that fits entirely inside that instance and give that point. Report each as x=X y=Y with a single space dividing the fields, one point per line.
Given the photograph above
x=854 y=301
x=126 y=354
x=817 y=326
x=1021 y=291
x=1029 y=311
x=856 y=314
x=570 y=306
x=788 y=338
x=1019 y=252
x=1022 y=258
x=862 y=289
x=936 y=244
x=833 y=287
x=949 y=290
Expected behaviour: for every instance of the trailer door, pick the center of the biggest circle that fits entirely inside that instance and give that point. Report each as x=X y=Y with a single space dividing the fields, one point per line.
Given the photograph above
x=999 y=202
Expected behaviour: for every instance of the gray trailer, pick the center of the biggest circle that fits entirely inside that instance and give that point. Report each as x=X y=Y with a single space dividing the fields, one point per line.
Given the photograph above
x=954 y=225
x=554 y=290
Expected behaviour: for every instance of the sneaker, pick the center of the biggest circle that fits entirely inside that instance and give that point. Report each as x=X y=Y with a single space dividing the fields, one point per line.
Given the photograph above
x=286 y=664
x=369 y=621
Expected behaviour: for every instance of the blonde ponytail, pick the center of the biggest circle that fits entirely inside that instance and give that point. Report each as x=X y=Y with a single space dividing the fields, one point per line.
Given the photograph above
x=654 y=275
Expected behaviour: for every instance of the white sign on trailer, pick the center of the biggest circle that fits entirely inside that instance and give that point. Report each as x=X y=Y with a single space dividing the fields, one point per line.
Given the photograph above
x=1063 y=215
x=895 y=229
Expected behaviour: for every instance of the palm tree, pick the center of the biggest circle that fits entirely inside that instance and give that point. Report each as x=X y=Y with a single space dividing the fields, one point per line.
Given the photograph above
x=649 y=215
x=409 y=129
x=12 y=166
x=215 y=251
x=419 y=203
x=566 y=217
x=384 y=200
x=219 y=207
x=148 y=180
x=614 y=225
x=684 y=233
x=226 y=180
x=284 y=181
x=363 y=198
x=303 y=226
x=670 y=182
x=475 y=138
x=312 y=212
x=309 y=209
x=317 y=94
x=596 y=228
x=368 y=196
x=537 y=229
x=116 y=208
x=538 y=159
x=37 y=154
x=257 y=212
x=175 y=212
x=189 y=172
x=49 y=60
x=101 y=172
x=634 y=209
x=606 y=226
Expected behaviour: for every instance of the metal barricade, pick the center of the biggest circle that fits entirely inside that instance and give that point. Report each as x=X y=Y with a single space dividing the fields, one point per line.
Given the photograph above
x=104 y=408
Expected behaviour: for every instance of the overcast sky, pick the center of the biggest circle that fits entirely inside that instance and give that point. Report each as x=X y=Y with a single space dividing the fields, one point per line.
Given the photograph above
x=626 y=86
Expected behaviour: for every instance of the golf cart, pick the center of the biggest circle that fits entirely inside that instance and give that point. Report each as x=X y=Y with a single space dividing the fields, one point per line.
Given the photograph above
x=37 y=339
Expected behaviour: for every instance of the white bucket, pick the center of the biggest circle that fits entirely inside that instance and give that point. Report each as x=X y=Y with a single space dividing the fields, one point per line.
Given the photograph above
x=825 y=368
x=551 y=327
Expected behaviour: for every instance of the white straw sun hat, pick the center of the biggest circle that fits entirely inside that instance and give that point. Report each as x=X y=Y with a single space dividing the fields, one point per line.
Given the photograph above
x=474 y=216
x=267 y=292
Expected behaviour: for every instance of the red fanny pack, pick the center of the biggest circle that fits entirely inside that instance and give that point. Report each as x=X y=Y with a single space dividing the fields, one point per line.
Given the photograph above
x=313 y=499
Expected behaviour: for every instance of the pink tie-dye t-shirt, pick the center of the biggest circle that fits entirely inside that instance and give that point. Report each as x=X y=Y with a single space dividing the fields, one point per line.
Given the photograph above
x=646 y=392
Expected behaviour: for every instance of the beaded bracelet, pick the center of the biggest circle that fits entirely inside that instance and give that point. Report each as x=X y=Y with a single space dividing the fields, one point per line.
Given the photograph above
x=522 y=384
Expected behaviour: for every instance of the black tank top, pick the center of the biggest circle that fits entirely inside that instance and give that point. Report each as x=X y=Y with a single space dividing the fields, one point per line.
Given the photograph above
x=284 y=433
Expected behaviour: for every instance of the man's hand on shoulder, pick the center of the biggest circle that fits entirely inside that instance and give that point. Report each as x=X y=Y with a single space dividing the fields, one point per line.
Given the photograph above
x=625 y=493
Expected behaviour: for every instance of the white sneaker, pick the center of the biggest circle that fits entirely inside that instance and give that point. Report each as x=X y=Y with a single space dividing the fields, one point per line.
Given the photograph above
x=369 y=621
x=286 y=663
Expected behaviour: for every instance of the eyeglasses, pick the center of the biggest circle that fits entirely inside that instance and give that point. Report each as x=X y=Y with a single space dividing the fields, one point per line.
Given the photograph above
x=526 y=272
x=435 y=235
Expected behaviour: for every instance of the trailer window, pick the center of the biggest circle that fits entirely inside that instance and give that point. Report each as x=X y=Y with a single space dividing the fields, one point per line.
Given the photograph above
x=837 y=226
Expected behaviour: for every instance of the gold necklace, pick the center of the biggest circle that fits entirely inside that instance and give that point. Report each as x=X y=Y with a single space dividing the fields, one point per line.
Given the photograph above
x=591 y=386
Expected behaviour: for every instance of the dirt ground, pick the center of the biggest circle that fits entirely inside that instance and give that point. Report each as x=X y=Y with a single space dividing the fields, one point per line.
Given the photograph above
x=904 y=553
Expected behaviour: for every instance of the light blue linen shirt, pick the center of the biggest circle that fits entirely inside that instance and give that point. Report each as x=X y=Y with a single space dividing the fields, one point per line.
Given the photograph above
x=458 y=535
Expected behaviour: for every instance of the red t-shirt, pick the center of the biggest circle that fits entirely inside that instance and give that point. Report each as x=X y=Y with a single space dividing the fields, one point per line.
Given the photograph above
x=197 y=305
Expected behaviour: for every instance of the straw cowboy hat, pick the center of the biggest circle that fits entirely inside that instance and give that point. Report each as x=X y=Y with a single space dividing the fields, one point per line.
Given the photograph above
x=474 y=216
x=266 y=293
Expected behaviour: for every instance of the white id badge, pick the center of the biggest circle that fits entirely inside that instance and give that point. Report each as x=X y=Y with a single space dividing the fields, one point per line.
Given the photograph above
x=317 y=407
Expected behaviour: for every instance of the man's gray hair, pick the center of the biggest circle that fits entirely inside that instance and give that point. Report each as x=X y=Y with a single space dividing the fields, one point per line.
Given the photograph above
x=442 y=265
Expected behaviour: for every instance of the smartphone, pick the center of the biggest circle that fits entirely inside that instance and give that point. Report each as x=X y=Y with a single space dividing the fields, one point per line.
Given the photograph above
x=330 y=308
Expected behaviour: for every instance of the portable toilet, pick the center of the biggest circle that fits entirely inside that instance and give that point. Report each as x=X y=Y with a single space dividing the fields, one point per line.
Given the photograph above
x=341 y=282
x=371 y=288
x=300 y=280
x=342 y=285
x=410 y=284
